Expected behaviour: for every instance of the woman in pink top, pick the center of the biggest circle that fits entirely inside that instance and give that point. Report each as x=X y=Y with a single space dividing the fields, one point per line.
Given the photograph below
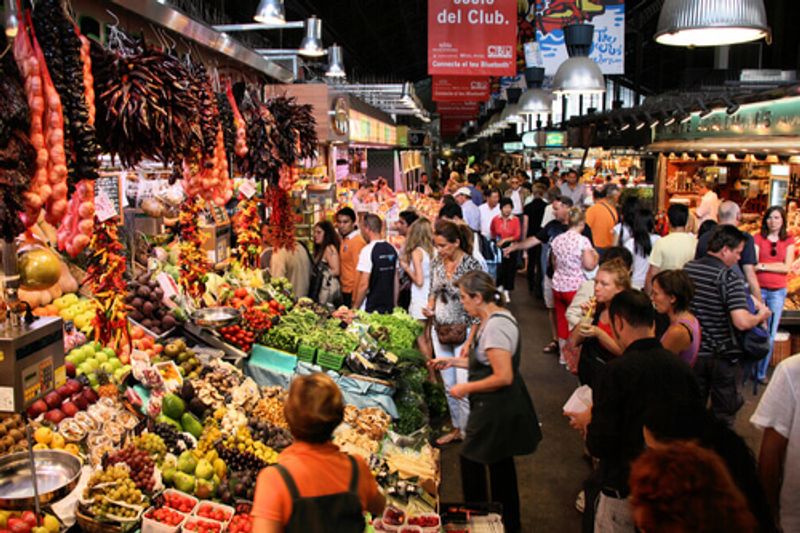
x=506 y=230
x=672 y=293
x=572 y=254
x=775 y=252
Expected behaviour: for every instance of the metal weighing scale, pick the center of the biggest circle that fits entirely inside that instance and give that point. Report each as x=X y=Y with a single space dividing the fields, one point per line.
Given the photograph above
x=31 y=365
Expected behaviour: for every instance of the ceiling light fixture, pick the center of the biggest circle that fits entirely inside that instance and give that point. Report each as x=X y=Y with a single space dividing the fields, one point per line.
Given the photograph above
x=579 y=74
x=640 y=124
x=704 y=110
x=270 y=12
x=651 y=121
x=335 y=63
x=535 y=101
x=311 y=46
x=11 y=22
x=626 y=125
x=711 y=22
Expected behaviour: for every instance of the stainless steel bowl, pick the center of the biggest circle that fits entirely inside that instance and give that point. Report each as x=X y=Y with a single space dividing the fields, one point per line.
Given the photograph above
x=215 y=317
x=57 y=474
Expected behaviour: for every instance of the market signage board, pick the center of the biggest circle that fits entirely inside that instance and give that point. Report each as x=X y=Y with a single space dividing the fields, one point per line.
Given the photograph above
x=772 y=117
x=529 y=139
x=366 y=129
x=513 y=147
x=472 y=37
x=608 y=18
x=460 y=88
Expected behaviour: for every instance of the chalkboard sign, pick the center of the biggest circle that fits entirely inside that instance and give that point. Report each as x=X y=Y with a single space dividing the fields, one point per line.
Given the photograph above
x=112 y=187
x=220 y=215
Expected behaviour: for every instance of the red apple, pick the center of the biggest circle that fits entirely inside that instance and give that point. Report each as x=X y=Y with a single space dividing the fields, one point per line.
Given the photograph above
x=63 y=391
x=53 y=399
x=37 y=408
x=79 y=400
x=30 y=518
x=54 y=416
x=70 y=367
x=73 y=385
x=69 y=408
x=90 y=395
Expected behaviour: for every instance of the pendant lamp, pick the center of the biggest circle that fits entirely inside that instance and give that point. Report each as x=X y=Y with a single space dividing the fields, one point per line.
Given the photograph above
x=335 y=63
x=270 y=12
x=11 y=22
x=311 y=46
x=711 y=22
x=535 y=101
x=579 y=74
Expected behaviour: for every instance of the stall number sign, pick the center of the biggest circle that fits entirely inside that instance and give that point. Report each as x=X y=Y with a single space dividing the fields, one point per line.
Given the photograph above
x=472 y=37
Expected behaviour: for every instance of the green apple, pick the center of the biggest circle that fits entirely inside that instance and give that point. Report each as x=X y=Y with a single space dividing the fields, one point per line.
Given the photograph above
x=78 y=356
x=101 y=357
x=93 y=380
x=82 y=369
x=119 y=374
x=108 y=368
x=115 y=363
x=91 y=364
x=110 y=352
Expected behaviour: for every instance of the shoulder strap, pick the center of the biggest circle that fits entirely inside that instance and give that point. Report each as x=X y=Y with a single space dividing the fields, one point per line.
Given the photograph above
x=688 y=329
x=612 y=212
x=290 y=484
x=354 y=478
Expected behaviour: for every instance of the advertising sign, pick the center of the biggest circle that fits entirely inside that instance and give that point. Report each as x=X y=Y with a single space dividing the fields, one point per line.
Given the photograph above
x=460 y=89
x=607 y=16
x=472 y=37
x=465 y=110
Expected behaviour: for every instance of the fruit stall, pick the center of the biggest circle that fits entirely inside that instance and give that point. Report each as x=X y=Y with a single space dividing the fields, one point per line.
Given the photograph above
x=142 y=367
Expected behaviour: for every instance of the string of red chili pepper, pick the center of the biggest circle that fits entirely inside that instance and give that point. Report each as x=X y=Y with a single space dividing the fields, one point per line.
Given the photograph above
x=247 y=226
x=280 y=232
x=105 y=278
x=192 y=260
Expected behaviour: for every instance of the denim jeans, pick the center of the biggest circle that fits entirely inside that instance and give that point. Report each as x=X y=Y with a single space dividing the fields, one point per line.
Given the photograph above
x=459 y=407
x=774 y=299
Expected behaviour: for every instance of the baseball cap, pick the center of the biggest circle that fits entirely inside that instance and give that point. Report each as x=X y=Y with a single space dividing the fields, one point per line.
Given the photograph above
x=465 y=191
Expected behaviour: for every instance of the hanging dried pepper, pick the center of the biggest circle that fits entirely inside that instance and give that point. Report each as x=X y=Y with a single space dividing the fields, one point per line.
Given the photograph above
x=280 y=231
x=105 y=278
x=247 y=227
x=192 y=260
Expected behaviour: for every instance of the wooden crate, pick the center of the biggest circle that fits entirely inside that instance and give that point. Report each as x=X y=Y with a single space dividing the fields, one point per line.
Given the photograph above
x=783 y=347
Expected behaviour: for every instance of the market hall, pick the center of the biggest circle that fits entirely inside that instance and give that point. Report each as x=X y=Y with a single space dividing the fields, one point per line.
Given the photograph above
x=455 y=265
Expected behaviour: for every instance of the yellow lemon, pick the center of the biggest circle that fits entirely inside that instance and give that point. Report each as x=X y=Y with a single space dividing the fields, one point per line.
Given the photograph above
x=72 y=448
x=43 y=435
x=40 y=446
x=57 y=442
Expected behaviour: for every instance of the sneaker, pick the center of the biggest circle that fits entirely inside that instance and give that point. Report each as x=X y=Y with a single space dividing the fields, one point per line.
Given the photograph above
x=507 y=296
x=580 y=502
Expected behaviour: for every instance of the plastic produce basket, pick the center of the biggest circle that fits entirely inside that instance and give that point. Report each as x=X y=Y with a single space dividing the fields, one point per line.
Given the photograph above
x=185 y=495
x=219 y=526
x=154 y=526
x=227 y=510
x=329 y=360
x=306 y=353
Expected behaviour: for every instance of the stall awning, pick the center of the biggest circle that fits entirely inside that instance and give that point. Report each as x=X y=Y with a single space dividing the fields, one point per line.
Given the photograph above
x=774 y=144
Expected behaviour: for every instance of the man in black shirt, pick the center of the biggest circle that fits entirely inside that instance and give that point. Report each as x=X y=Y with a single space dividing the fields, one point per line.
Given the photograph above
x=729 y=215
x=533 y=213
x=376 y=282
x=643 y=374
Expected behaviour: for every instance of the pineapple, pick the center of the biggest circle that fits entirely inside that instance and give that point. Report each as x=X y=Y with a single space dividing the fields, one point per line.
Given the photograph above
x=107 y=388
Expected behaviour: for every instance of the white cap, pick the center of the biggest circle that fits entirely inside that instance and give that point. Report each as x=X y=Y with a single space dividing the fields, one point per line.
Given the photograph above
x=465 y=191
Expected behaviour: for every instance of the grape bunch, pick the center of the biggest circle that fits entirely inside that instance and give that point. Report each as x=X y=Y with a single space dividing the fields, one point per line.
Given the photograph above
x=174 y=441
x=140 y=463
x=152 y=444
x=239 y=460
x=273 y=436
x=112 y=485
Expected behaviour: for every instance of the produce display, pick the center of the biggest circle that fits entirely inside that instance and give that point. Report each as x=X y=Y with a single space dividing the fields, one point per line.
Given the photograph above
x=167 y=410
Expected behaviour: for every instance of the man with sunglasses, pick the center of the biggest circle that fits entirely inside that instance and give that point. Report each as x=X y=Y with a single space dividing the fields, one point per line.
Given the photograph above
x=730 y=214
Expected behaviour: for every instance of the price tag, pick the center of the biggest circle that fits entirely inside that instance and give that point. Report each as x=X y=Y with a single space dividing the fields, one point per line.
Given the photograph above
x=103 y=207
x=247 y=188
x=170 y=288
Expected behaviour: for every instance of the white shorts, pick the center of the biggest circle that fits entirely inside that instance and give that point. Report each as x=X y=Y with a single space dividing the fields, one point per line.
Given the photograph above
x=547 y=289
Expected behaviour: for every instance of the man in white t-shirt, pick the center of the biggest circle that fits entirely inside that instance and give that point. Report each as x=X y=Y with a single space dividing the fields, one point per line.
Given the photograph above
x=488 y=210
x=376 y=279
x=778 y=414
x=674 y=250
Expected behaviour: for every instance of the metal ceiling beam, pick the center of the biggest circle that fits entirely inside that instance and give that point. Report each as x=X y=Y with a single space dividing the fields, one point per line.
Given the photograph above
x=256 y=26
x=204 y=35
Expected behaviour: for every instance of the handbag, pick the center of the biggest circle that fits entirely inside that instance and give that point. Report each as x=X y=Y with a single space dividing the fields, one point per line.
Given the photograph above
x=330 y=290
x=754 y=343
x=451 y=333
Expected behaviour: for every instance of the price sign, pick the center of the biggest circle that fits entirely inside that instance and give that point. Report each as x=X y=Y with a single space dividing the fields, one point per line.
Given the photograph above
x=247 y=188
x=110 y=186
x=103 y=208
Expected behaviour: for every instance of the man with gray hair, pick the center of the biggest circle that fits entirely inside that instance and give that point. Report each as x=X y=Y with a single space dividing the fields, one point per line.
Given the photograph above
x=730 y=214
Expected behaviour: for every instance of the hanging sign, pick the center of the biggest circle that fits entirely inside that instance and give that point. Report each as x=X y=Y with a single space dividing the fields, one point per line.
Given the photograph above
x=607 y=17
x=462 y=110
x=472 y=37
x=460 y=89
x=451 y=125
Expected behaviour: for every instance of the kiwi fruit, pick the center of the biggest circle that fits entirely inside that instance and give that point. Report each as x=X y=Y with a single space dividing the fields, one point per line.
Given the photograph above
x=16 y=434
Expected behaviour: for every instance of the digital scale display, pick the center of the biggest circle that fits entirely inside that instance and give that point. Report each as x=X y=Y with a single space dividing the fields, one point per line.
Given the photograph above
x=37 y=378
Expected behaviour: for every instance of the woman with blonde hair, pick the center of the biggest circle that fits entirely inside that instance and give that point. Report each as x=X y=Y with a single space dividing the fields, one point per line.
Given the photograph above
x=594 y=334
x=314 y=486
x=416 y=261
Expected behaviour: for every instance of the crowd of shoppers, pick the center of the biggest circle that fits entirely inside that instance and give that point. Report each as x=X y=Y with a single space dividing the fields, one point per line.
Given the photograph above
x=654 y=325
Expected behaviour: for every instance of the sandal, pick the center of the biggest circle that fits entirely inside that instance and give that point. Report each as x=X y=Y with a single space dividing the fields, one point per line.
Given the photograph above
x=450 y=438
x=551 y=348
